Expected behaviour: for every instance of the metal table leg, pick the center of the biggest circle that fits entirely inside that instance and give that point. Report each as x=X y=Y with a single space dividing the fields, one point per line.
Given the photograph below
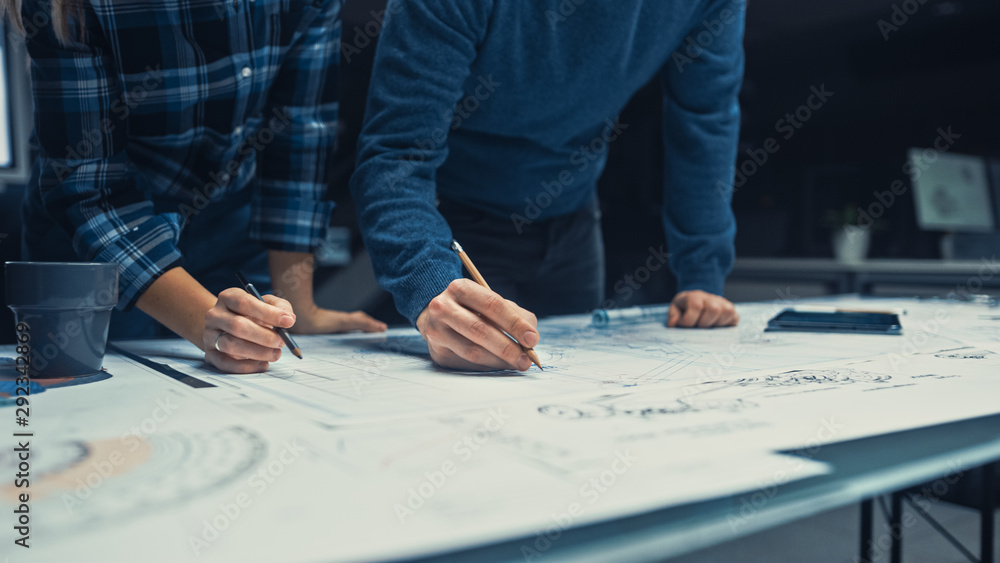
x=896 y=528
x=866 y=531
x=987 y=512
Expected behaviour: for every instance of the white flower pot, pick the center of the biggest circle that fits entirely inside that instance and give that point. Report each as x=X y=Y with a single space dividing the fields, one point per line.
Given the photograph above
x=850 y=243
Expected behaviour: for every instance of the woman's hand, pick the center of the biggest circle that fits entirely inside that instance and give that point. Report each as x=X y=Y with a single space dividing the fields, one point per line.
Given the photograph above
x=317 y=320
x=292 y=276
x=239 y=335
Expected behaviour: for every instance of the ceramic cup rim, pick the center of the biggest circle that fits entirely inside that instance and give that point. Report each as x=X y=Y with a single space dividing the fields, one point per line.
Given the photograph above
x=53 y=286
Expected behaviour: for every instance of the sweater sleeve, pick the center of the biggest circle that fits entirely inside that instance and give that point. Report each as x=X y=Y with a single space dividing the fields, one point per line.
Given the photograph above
x=424 y=56
x=701 y=130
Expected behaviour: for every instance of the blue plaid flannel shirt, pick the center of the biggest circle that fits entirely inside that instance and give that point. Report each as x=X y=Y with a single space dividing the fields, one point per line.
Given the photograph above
x=161 y=108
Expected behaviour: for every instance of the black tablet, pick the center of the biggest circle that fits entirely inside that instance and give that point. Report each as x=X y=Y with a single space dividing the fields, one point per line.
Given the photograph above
x=835 y=321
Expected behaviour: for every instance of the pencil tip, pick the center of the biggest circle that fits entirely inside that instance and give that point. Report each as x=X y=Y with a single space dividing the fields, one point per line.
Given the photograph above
x=533 y=356
x=297 y=352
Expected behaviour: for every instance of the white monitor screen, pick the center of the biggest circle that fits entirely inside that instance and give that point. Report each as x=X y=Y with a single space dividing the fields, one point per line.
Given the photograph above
x=952 y=192
x=6 y=158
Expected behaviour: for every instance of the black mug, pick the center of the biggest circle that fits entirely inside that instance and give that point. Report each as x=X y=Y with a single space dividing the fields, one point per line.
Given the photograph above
x=62 y=311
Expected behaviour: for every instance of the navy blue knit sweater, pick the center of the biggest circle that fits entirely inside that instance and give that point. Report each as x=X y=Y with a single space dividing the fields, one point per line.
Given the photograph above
x=509 y=106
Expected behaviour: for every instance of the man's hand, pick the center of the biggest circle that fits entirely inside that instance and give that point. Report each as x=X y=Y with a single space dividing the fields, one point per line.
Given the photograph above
x=239 y=335
x=464 y=325
x=702 y=310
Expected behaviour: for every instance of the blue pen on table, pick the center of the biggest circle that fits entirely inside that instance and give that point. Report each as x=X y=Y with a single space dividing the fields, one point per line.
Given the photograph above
x=281 y=332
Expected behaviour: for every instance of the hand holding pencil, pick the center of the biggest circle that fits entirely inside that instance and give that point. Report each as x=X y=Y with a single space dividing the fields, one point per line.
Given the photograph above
x=239 y=335
x=469 y=326
x=482 y=281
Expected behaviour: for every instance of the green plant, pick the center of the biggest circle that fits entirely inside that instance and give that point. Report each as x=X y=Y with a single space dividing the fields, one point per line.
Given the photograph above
x=848 y=215
x=837 y=218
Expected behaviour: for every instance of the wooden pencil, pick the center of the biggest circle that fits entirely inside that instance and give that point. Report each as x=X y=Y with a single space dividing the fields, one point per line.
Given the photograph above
x=532 y=355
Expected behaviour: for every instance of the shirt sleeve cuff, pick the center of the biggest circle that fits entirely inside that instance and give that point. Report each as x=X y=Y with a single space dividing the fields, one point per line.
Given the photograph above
x=143 y=254
x=290 y=224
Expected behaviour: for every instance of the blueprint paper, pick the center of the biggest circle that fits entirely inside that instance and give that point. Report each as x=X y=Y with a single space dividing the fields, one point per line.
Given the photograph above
x=365 y=450
x=163 y=479
x=355 y=378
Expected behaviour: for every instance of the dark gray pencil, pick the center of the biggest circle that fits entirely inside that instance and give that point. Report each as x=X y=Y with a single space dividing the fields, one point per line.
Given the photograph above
x=281 y=332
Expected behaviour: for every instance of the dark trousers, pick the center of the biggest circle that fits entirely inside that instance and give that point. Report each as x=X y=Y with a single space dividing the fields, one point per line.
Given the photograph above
x=550 y=267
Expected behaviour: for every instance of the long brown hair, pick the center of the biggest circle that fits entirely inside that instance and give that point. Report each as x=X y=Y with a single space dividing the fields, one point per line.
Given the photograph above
x=62 y=11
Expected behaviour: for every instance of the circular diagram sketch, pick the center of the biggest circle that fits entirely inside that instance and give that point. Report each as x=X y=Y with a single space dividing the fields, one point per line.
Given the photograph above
x=101 y=482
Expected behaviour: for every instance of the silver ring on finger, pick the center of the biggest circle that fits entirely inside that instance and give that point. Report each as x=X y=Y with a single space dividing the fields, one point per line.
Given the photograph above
x=221 y=334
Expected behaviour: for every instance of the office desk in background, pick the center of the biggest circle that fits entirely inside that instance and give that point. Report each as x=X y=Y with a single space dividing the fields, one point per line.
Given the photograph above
x=635 y=443
x=757 y=278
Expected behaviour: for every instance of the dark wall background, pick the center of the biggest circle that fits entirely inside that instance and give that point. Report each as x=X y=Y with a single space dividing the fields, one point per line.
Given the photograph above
x=10 y=249
x=940 y=68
